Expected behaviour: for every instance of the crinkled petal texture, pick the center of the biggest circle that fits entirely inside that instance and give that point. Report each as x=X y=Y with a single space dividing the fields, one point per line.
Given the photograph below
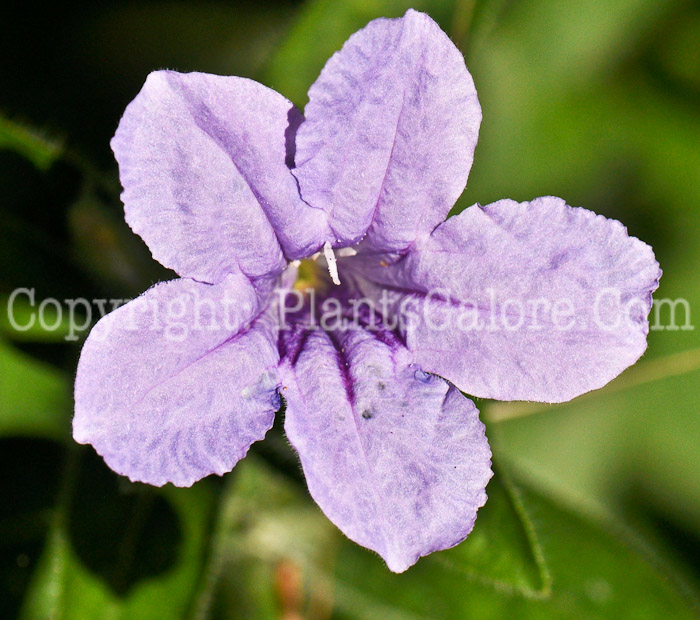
x=178 y=383
x=524 y=301
x=203 y=162
x=395 y=457
x=390 y=131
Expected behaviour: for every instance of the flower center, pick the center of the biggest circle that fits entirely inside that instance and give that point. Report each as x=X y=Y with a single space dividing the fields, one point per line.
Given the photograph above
x=309 y=275
x=311 y=269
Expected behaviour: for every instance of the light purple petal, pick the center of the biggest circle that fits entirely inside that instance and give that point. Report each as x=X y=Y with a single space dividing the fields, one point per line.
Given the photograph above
x=389 y=135
x=176 y=385
x=524 y=301
x=202 y=160
x=396 y=458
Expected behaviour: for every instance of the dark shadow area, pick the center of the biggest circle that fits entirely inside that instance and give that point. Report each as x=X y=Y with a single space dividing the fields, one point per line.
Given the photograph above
x=121 y=531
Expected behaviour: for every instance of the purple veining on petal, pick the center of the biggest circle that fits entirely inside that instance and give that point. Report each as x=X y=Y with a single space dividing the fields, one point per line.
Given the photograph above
x=399 y=462
x=389 y=135
x=490 y=259
x=343 y=366
x=162 y=408
x=203 y=162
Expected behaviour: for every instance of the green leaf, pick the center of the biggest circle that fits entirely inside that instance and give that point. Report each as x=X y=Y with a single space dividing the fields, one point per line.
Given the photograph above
x=502 y=550
x=642 y=431
x=23 y=318
x=594 y=568
x=39 y=149
x=35 y=399
x=596 y=571
x=64 y=588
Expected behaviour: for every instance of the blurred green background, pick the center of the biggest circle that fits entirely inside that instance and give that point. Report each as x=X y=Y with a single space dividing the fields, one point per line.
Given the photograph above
x=594 y=511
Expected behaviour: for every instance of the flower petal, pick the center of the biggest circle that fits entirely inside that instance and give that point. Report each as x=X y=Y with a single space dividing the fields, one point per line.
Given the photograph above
x=525 y=301
x=202 y=160
x=390 y=131
x=176 y=384
x=395 y=457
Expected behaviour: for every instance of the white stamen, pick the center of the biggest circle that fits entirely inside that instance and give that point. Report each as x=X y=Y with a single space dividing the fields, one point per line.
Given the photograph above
x=295 y=263
x=342 y=252
x=332 y=263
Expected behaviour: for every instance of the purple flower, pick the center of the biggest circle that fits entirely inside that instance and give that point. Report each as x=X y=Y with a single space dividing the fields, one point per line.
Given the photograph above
x=229 y=186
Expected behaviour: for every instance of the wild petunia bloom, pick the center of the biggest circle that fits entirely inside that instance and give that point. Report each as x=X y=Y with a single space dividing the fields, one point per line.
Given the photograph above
x=229 y=185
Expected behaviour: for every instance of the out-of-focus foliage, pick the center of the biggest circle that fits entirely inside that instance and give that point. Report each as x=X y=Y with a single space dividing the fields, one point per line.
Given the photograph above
x=164 y=530
x=583 y=566
x=41 y=151
x=35 y=397
x=596 y=102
